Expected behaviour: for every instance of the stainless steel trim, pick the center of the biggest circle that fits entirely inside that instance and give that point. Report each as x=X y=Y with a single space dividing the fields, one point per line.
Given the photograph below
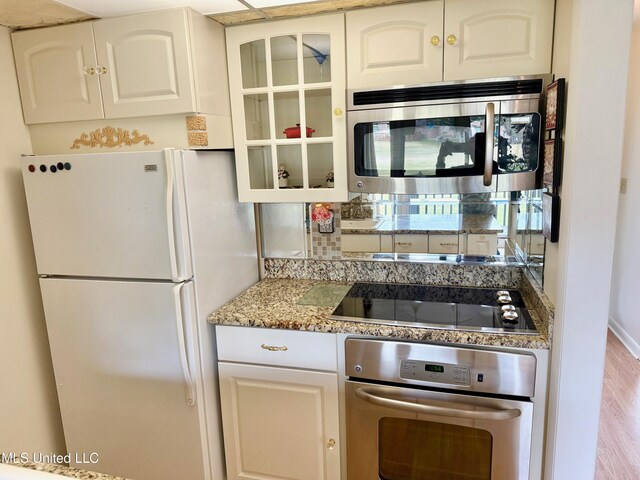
x=461 y=410
x=503 y=372
x=435 y=326
x=489 y=121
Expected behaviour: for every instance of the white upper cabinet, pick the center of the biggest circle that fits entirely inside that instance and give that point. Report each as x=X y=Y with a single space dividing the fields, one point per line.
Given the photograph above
x=56 y=68
x=395 y=45
x=287 y=84
x=422 y=42
x=140 y=65
x=145 y=64
x=497 y=38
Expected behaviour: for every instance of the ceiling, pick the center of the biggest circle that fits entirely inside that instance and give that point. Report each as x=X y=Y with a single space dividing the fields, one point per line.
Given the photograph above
x=38 y=13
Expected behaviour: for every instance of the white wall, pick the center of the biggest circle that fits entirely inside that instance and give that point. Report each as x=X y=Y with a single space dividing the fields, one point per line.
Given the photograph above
x=595 y=34
x=623 y=314
x=29 y=414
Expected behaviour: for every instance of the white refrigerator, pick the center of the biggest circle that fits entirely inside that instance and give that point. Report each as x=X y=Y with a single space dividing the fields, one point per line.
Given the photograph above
x=134 y=250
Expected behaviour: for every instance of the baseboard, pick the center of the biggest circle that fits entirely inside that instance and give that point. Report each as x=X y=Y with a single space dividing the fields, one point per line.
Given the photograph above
x=626 y=339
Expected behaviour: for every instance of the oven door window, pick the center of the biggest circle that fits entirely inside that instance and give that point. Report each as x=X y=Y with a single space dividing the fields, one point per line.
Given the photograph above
x=445 y=147
x=411 y=449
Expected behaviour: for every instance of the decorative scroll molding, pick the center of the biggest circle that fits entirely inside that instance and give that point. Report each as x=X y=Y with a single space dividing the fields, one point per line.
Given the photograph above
x=110 y=137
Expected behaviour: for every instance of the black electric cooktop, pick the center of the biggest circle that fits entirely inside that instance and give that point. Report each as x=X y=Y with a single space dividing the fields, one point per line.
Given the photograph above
x=452 y=308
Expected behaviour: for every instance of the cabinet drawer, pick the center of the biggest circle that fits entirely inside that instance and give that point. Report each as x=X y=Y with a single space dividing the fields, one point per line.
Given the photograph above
x=267 y=346
x=482 y=244
x=443 y=243
x=386 y=243
x=360 y=243
x=411 y=244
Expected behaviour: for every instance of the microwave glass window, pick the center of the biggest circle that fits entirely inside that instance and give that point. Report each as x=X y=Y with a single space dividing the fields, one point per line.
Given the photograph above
x=420 y=148
x=445 y=147
x=411 y=449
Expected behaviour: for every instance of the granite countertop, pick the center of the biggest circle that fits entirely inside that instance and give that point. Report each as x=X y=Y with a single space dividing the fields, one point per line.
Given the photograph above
x=68 y=471
x=432 y=224
x=274 y=303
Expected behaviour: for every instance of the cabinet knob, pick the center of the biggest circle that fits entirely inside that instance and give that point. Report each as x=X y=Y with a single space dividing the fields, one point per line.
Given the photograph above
x=331 y=443
x=451 y=39
x=435 y=40
x=88 y=71
x=337 y=112
x=101 y=70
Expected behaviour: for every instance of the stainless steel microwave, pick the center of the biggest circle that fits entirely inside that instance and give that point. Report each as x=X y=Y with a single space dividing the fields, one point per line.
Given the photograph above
x=433 y=138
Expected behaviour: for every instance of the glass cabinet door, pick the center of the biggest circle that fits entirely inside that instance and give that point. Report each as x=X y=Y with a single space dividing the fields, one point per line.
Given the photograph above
x=287 y=85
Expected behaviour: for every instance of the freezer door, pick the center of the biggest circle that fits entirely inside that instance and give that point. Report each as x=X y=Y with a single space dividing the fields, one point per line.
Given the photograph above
x=125 y=362
x=117 y=215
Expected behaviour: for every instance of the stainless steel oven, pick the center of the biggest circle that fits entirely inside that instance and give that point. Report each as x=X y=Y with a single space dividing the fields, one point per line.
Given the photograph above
x=434 y=138
x=420 y=411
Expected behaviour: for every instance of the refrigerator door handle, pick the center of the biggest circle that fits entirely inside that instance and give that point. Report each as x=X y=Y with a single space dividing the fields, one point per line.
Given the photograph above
x=182 y=345
x=173 y=258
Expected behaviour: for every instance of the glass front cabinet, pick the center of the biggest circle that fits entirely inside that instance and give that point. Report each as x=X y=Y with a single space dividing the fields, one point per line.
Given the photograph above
x=287 y=85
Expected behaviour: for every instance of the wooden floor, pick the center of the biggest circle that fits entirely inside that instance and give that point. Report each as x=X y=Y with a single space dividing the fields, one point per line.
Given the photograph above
x=619 y=437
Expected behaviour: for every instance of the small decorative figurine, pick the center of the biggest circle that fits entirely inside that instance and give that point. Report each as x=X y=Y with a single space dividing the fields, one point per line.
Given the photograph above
x=283 y=176
x=330 y=179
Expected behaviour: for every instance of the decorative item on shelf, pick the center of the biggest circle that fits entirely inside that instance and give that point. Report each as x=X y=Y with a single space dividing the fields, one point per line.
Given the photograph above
x=330 y=179
x=551 y=216
x=552 y=170
x=555 y=105
x=294 y=132
x=283 y=176
x=323 y=216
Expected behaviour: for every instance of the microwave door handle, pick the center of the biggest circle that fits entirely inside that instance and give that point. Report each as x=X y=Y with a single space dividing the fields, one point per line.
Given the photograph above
x=489 y=119
x=467 y=411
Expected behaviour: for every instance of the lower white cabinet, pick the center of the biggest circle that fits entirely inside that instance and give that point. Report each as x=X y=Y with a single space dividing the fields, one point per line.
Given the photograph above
x=482 y=244
x=278 y=422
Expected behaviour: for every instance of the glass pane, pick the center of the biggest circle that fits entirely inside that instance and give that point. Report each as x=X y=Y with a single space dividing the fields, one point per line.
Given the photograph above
x=256 y=116
x=253 y=64
x=320 y=163
x=284 y=60
x=434 y=147
x=318 y=112
x=419 y=450
x=287 y=114
x=316 y=54
x=290 y=166
x=283 y=229
x=518 y=142
x=260 y=168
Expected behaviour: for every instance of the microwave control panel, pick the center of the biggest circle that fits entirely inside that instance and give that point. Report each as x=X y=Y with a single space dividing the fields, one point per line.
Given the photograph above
x=445 y=373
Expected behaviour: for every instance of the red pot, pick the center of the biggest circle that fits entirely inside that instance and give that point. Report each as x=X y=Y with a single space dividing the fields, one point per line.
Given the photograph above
x=294 y=132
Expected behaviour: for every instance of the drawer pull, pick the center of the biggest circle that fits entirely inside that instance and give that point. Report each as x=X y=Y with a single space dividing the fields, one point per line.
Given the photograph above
x=271 y=348
x=404 y=244
x=444 y=244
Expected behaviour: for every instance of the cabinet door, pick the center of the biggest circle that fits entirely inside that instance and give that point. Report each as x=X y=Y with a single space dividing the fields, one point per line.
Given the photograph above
x=279 y=423
x=56 y=72
x=287 y=82
x=412 y=243
x=395 y=45
x=145 y=64
x=497 y=38
x=482 y=244
x=443 y=243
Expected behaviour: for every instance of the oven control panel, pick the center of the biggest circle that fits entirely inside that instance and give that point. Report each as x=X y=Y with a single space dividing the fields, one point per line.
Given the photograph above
x=435 y=372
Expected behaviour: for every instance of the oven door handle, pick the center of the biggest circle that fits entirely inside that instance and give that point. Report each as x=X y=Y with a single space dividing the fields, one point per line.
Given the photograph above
x=489 y=121
x=468 y=411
